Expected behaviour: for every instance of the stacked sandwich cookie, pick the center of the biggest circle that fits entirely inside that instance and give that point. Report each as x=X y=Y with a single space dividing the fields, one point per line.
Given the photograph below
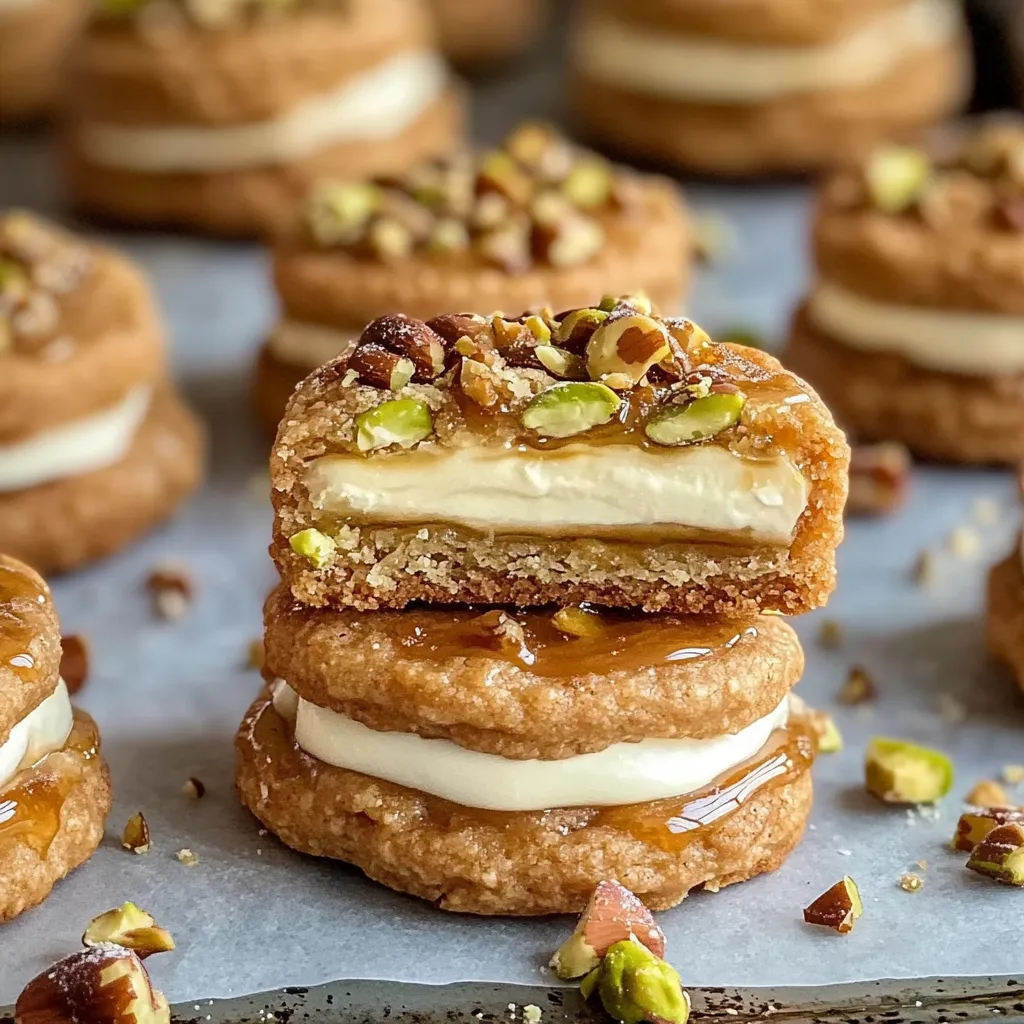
x=54 y=786
x=534 y=222
x=218 y=116
x=914 y=331
x=518 y=646
x=95 y=445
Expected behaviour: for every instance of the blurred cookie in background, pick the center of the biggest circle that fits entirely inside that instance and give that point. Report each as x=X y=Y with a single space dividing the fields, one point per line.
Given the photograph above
x=217 y=116
x=752 y=87
x=537 y=222
x=475 y=33
x=34 y=37
x=914 y=330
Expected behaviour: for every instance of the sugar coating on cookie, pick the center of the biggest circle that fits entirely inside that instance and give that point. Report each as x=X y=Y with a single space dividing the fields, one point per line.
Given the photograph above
x=534 y=222
x=912 y=331
x=54 y=786
x=762 y=87
x=230 y=144
x=604 y=454
x=576 y=764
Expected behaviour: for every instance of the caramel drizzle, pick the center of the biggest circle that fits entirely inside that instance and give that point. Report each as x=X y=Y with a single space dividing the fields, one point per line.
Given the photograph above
x=19 y=596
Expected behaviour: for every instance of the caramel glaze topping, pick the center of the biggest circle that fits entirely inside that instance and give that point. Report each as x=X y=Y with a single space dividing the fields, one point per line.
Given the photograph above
x=541 y=642
x=19 y=593
x=32 y=803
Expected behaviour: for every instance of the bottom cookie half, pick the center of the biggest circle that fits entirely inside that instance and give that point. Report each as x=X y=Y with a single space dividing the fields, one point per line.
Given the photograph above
x=60 y=525
x=488 y=862
x=1006 y=614
x=51 y=819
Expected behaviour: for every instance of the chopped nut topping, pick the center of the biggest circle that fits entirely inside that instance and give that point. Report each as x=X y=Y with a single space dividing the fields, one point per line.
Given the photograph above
x=171 y=589
x=536 y=200
x=838 y=908
x=899 y=772
x=1000 y=855
x=193 y=788
x=136 y=834
x=859 y=688
x=977 y=822
x=830 y=739
x=74 y=661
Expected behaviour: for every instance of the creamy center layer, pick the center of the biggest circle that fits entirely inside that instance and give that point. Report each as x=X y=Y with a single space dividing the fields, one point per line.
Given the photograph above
x=702 y=68
x=81 y=446
x=378 y=104
x=44 y=730
x=623 y=773
x=949 y=340
x=309 y=345
x=701 y=488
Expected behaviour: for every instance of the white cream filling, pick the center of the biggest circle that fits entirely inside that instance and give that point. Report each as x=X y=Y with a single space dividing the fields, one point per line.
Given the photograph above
x=623 y=773
x=308 y=345
x=83 y=445
x=378 y=104
x=12 y=7
x=702 y=68
x=949 y=340
x=579 y=486
x=42 y=731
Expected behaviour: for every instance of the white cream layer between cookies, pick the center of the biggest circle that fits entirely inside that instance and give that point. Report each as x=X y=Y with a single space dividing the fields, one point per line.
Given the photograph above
x=701 y=68
x=81 y=446
x=309 y=345
x=379 y=104
x=623 y=773
x=950 y=341
x=42 y=731
x=577 y=487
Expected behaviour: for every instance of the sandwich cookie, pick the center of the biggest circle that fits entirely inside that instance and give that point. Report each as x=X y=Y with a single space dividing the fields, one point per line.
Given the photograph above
x=754 y=87
x=218 y=117
x=602 y=455
x=505 y=762
x=537 y=222
x=914 y=331
x=54 y=785
x=95 y=446
x=478 y=33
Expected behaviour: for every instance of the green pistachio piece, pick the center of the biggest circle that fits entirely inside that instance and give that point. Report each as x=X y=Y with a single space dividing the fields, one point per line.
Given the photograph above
x=560 y=362
x=899 y=772
x=695 y=421
x=636 y=986
x=575 y=328
x=589 y=184
x=314 y=545
x=640 y=303
x=338 y=211
x=403 y=421
x=538 y=327
x=1000 y=855
x=570 y=408
x=448 y=235
x=896 y=177
x=588 y=986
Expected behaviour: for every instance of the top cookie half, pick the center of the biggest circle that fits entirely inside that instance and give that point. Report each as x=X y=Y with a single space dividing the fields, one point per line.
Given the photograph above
x=602 y=454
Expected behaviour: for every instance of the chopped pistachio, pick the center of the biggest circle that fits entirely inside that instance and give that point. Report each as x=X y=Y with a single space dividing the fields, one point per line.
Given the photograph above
x=313 y=545
x=402 y=421
x=130 y=927
x=589 y=184
x=830 y=739
x=538 y=327
x=896 y=177
x=635 y=985
x=1000 y=855
x=976 y=823
x=695 y=421
x=838 y=908
x=900 y=772
x=571 y=407
x=560 y=362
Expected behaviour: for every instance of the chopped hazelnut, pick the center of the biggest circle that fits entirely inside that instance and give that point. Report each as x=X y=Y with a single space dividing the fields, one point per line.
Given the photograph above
x=74 y=661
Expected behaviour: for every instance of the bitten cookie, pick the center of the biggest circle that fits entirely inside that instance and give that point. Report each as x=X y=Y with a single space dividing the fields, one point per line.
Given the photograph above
x=478 y=33
x=219 y=117
x=754 y=87
x=537 y=222
x=506 y=762
x=914 y=331
x=95 y=446
x=54 y=785
x=604 y=455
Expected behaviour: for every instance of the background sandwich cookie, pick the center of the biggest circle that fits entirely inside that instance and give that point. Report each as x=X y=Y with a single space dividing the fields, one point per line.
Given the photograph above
x=914 y=331
x=219 y=117
x=751 y=87
x=95 y=446
x=54 y=785
x=477 y=33
x=504 y=762
x=537 y=222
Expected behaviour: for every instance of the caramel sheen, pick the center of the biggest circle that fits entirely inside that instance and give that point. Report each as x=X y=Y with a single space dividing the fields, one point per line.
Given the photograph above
x=19 y=595
x=531 y=640
x=32 y=803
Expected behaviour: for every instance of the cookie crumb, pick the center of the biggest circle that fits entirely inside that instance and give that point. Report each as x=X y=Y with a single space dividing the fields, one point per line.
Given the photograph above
x=194 y=788
x=911 y=882
x=831 y=634
x=859 y=688
x=171 y=589
x=964 y=542
x=988 y=793
x=135 y=838
x=925 y=571
x=952 y=710
x=532 y=1014
x=985 y=511
x=1013 y=774
x=186 y=857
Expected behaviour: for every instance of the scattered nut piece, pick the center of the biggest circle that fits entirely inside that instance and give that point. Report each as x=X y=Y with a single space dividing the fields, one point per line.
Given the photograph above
x=187 y=857
x=99 y=985
x=830 y=739
x=925 y=571
x=879 y=478
x=952 y=710
x=1000 y=855
x=313 y=545
x=831 y=635
x=578 y=621
x=136 y=834
x=131 y=927
x=613 y=914
x=985 y=511
x=257 y=654
x=532 y=1014
x=896 y=177
x=859 y=688
x=697 y=420
x=635 y=985
x=172 y=590
x=570 y=407
x=899 y=772
x=74 y=661
x=838 y=908
x=714 y=238
x=988 y=793
x=964 y=542
x=911 y=882
x=193 y=788
x=976 y=823
x=1013 y=774
x=403 y=421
